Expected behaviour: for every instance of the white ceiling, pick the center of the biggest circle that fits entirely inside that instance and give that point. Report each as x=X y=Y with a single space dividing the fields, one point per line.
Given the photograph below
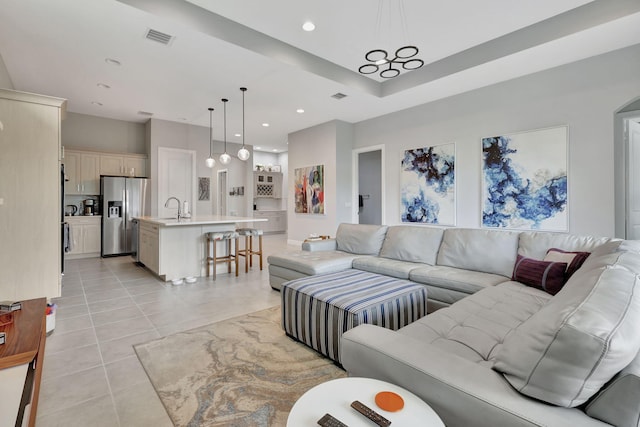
x=59 y=47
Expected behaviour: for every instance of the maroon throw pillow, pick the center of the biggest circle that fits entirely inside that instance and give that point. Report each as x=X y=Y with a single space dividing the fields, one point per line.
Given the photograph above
x=546 y=275
x=574 y=260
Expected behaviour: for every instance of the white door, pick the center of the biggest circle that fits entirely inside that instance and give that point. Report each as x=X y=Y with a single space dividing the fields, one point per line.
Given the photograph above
x=368 y=183
x=176 y=178
x=633 y=198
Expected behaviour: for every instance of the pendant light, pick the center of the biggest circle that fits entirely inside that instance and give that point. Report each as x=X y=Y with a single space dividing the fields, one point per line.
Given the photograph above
x=225 y=159
x=210 y=161
x=243 y=153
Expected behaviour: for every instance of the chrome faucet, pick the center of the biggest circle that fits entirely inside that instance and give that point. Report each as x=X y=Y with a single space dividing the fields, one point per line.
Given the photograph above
x=166 y=205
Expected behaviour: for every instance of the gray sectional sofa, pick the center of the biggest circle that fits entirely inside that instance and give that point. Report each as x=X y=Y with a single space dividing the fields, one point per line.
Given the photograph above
x=492 y=351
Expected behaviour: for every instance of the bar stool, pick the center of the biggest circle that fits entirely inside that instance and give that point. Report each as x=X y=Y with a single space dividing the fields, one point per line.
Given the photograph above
x=248 y=252
x=212 y=239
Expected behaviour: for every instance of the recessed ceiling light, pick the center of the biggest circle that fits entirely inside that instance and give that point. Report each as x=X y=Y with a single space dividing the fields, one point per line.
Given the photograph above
x=300 y=111
x=99 y=104
x=112 y=61
x=238 y=134
x=258 y=148
x=308 y=26
x=275 y=150
x=265 y=125
x=103 y=86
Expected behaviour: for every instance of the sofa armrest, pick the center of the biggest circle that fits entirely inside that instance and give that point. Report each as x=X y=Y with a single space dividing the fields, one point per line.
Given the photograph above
x=320 y=245
x=462 y=392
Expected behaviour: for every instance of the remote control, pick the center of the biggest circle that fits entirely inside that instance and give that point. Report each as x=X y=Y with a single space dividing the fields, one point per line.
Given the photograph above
x=329 y=421
x=370 y=413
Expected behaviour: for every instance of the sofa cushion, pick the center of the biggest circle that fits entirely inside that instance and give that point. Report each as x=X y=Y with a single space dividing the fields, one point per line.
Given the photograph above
x=488 y=251
x=388 y=267
x=457 y=279
x=545 y=275
x=574 y=260
x=414 y=244
x=474 y=327
x=617 y=403
x=363 y=239
x=535 y=244
x=310 y=263
x=578 y=341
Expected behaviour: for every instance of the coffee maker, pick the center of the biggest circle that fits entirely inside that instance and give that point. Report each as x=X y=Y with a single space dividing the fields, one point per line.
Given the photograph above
x=89 y=207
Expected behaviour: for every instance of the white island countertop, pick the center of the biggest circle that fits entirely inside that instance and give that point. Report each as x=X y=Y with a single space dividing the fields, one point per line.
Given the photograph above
x=199 y=220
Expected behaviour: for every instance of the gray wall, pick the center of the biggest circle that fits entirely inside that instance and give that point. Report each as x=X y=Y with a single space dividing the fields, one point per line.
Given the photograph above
x=102 y=134
x=5 y=79
x=583 y=95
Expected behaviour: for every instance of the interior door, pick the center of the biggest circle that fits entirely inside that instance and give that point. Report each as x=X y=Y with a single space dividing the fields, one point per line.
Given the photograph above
x=370 y=187
x=222 y=193
x=176 y=178
x=633 y=197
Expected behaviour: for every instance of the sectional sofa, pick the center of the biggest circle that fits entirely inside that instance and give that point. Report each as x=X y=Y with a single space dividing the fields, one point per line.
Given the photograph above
x=560 y=349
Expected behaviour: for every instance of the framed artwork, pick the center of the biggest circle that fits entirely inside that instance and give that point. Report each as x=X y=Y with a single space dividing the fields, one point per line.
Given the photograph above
x=309 y=190
x=524 y=180
x=204 y=188
x=427 y=181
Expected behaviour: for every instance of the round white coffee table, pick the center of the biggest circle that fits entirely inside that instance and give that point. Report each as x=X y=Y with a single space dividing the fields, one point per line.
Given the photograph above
x=335 y=397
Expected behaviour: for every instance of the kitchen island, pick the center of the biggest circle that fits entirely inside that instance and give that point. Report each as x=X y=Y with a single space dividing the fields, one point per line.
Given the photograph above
x=175 y=249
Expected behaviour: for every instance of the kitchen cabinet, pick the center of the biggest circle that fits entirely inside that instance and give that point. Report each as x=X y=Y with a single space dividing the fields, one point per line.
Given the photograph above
x=30 y=259
x=86 y=240
x=267 y=184
x=149 y=246
x=81 y=170
x=124 y=165
x=276 y=221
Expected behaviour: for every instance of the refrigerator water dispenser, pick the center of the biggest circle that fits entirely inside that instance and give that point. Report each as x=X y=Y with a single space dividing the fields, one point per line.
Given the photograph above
x=114 y=209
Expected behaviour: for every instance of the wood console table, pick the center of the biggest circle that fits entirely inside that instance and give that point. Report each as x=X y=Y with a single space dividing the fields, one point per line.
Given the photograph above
x=21 y=359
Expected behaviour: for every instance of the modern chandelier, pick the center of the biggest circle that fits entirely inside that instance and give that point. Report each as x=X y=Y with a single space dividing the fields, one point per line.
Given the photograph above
x=225 y=158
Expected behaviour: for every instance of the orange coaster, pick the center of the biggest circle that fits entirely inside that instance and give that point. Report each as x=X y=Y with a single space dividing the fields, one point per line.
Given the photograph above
x=389 y=401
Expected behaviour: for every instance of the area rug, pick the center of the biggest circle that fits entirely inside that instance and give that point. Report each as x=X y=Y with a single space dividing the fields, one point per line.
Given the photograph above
x=239 y=372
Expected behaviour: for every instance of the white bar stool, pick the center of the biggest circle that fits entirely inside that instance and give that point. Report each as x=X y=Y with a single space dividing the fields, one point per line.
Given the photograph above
x=248 y=252
x=213 y=259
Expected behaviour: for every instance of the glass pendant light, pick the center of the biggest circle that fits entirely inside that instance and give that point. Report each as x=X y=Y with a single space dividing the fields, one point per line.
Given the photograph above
x=210 y=161
x=225 y=159
x=243 y=153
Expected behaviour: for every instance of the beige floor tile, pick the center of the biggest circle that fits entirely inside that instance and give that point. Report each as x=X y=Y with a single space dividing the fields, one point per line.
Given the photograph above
x=57 y=342
x=71 y=361
x=125 y=373
x=103 y=287
x=72 y=324
x=73 y=311
x=71 y=291
x=70 y=301
x=117 y=315
x=112 y=304
x=107 y=295
x=98 y=412
x=118 y=349
x=122 y=328
x=70 y=390
x=130 y=400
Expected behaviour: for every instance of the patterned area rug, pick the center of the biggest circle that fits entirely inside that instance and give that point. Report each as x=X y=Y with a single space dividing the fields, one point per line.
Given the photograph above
x=239 y=372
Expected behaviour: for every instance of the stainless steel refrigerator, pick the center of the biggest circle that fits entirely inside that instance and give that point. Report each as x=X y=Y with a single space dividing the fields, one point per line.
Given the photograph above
x=122 y=199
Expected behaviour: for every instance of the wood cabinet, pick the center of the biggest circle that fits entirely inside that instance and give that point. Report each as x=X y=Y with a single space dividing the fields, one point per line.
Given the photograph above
x=123 y=165
x=276 y=221
x=85 y=236
x=111 y=165
x=30 y=179
x=21 y=364
x=267 y=184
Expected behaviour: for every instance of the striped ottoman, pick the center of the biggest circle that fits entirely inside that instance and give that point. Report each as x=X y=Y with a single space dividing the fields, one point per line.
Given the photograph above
x=317 y=310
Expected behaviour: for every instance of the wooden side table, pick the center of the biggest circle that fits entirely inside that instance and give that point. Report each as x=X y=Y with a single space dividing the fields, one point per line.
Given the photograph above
x=24 y=348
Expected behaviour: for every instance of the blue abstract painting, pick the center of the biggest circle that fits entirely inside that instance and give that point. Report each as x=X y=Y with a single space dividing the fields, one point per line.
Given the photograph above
x=428 y=185
x=525 y=180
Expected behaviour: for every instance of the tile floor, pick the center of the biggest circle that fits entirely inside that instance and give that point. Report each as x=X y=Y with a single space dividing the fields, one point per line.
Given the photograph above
x=91 y=374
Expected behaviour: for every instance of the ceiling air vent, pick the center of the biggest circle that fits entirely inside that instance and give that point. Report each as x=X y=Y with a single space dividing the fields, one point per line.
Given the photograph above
x=159 y=37
x=338 y=95
x=145 y=113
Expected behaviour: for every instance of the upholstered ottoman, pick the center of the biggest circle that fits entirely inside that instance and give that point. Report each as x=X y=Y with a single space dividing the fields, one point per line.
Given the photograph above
x=317 y=310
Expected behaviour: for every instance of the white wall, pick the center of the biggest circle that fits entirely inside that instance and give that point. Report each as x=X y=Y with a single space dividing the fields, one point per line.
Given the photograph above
x=328 y=144
x=102 y=134
x=163 y=133
x=583 y=95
